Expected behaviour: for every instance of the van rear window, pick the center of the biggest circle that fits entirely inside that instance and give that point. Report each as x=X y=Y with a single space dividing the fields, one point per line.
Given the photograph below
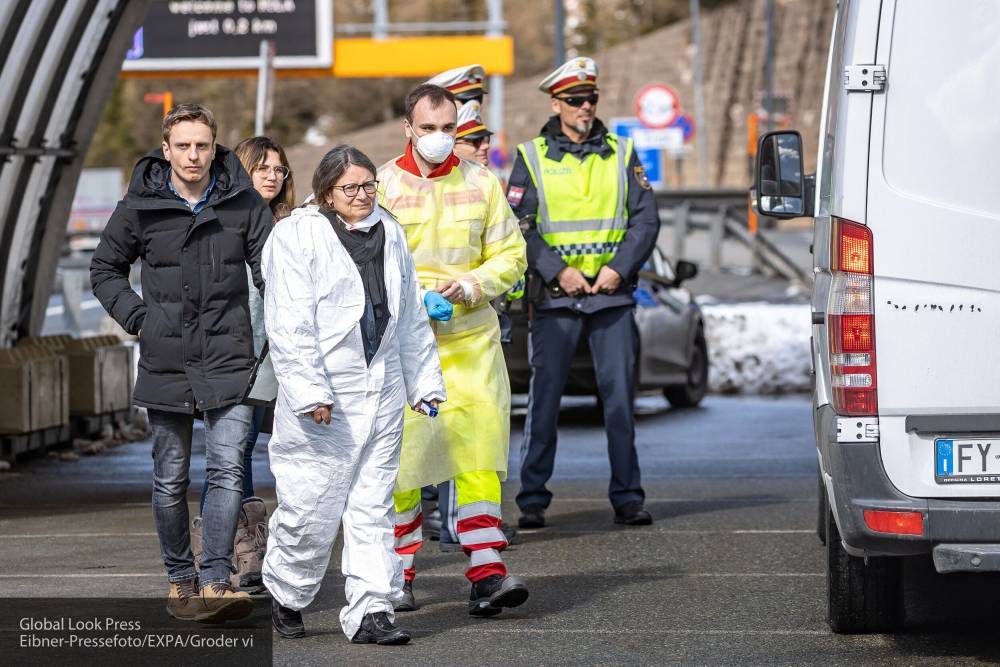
x=942 y=134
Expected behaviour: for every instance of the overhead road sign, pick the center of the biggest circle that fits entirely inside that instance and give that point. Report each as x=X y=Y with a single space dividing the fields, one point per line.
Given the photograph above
x=186 y=35
x=421 y=56
x=657 y=105
x=357 y=57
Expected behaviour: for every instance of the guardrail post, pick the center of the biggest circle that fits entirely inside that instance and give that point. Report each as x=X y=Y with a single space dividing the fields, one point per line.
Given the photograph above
x=680 y=229
x=717 y=234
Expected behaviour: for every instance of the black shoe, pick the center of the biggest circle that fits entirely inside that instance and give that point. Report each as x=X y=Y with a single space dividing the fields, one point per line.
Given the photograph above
x=378 y=629
x=287 y=622
x=633 y=514
x=492 y=594
x=407 y=601
x=532 y=516
x=510 y=532
x=431 y=526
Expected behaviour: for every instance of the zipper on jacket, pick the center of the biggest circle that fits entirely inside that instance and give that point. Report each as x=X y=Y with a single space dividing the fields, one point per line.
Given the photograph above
x=215 y=265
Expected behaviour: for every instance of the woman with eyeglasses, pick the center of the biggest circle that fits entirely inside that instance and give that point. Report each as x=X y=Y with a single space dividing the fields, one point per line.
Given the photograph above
x=264 y=159
x=351 y=345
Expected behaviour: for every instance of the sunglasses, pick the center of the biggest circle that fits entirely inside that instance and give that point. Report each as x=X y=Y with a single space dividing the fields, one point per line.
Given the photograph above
x=475 y=143
x=578 y=100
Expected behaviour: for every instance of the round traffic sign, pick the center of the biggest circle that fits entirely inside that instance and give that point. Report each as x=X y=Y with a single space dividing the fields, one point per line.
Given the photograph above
x=656 y=105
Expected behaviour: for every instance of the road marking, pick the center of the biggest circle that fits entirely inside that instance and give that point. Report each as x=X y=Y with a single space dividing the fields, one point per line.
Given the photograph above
x=692 y=500
x=796 y=531
x=479 y=629
x=667 y=531
x=664 y=531
x=85 y=575
x=25 y=536
x=447 y=575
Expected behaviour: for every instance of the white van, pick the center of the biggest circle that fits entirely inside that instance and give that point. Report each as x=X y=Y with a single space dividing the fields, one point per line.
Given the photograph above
x=906 y=309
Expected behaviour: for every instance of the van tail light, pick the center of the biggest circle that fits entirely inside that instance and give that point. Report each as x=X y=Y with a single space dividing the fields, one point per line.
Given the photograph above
x=851 y=321
x=899 y=523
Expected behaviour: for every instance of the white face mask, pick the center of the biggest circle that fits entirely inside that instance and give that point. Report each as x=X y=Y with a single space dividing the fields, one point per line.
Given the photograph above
x=435 y=147
x=371 y=219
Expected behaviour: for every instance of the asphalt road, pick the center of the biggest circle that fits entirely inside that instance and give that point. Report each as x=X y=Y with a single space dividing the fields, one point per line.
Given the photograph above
x=731 y=572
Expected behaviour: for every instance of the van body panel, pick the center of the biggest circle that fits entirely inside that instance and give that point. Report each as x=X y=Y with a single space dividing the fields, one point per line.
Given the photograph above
x=934 y=211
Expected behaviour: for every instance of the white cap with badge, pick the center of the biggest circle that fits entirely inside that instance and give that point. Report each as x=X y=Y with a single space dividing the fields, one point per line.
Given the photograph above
x=465 y=83
x=576 y=73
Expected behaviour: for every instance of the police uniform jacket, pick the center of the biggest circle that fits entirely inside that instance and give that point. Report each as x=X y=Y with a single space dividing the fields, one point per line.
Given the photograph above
x=544 y=262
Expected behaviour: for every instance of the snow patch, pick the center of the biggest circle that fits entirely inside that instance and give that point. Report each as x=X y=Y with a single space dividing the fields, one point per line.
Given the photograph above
x=758 y=348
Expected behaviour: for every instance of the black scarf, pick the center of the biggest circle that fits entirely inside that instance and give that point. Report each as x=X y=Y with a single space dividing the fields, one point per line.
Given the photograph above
x=366 y=248
x=560 y=144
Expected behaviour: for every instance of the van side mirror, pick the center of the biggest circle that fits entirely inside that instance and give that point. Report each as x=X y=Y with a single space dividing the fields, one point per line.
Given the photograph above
x=684 y=271
x=779 y=182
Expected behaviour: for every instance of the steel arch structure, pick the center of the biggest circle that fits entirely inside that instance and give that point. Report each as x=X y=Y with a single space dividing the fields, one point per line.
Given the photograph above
x=59 y=61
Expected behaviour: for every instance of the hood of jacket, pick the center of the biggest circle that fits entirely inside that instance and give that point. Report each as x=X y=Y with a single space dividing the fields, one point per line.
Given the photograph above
x=148 y=187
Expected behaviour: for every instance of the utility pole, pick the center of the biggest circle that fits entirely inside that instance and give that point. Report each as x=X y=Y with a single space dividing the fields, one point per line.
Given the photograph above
x=380 y=27
x=559 y=43
x=699 y=96
x=495 y=28
x=265 y=87
x=769 y=69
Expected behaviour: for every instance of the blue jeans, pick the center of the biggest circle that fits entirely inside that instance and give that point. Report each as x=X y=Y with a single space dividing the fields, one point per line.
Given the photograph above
x=255 y=425
x=225 y=432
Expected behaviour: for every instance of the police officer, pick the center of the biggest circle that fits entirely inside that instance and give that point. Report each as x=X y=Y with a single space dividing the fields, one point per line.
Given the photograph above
x=593 y=223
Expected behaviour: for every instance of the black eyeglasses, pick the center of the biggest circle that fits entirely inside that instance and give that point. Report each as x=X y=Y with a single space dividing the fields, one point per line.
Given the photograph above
x=475 y=143
x=578 y=100
x=352 y=189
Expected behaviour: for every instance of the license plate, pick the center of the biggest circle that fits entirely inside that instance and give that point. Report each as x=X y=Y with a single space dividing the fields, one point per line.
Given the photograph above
x=967 y=461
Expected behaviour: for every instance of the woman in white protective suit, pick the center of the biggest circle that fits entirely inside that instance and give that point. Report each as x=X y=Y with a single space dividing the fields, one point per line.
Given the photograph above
x=351 y=344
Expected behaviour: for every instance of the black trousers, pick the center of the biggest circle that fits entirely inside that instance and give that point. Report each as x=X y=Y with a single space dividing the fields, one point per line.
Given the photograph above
x=614 y=344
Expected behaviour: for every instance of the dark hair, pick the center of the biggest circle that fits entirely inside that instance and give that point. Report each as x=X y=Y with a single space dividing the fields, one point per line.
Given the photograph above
x=436 y=94
x=332 y=167
x=252 y=153
x=187 y=111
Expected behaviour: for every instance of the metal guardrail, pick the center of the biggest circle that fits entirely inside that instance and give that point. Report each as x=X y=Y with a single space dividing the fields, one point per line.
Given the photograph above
x=722 y=213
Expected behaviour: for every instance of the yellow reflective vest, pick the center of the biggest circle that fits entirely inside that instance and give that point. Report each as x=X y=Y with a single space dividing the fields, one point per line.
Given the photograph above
x=579 y=215
x=459 y=227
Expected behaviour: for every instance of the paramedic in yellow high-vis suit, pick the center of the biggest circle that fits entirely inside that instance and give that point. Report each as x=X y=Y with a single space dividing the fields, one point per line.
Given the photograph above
x=467 y=246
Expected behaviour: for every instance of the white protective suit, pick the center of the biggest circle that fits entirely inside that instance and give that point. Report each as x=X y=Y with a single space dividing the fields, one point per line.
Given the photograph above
x=345 y=470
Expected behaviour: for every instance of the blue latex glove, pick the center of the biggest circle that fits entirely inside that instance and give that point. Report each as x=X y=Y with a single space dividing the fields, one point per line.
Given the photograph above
x=438 y=307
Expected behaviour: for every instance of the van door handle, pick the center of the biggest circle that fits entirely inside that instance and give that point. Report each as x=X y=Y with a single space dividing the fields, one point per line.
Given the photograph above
x=819 y=318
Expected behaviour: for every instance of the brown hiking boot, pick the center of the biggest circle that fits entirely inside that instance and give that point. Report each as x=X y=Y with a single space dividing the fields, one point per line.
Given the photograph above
x=248 y=549
x=256 y=516
x=182 y=600
x=219 y=602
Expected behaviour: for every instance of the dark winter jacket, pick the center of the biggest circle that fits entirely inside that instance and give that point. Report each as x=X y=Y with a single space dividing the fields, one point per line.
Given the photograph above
x=193 y=321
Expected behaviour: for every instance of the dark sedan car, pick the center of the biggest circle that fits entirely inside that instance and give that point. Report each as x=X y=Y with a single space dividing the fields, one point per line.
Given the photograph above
x=673 y=356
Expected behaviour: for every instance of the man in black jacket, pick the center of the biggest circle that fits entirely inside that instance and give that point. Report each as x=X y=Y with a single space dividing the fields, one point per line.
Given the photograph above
x=592 y=224
x=191 y=214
